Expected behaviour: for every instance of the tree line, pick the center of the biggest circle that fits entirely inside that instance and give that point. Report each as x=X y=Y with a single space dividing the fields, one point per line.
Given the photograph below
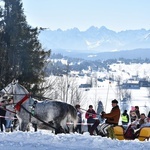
x=21 y=54
x=78 y=64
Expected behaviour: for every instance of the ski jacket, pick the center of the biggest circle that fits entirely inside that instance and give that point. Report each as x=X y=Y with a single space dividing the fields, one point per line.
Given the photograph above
x=125 y=118
x=9 y=113
x=79 y=113
x=90 y=114
x=113 y=116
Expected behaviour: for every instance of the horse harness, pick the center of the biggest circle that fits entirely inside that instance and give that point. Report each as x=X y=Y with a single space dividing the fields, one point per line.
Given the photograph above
x=19 y=105
x=32 y=113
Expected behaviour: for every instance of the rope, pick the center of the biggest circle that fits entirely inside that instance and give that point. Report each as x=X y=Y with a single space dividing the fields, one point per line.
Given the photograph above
x=12 y=118
x=83 y=124
x=8 y=110
x=88 y=112
x=38 y=118
x=34 y=96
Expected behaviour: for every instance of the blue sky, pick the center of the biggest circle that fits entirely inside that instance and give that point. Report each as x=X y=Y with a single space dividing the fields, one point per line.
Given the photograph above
x=116 y=15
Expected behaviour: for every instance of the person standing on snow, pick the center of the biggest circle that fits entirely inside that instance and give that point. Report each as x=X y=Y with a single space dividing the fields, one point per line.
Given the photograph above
x=79 y=113
x=137 y=111
x=125 y=118
x=91 y=118
x=2 y=115
x=9 y=116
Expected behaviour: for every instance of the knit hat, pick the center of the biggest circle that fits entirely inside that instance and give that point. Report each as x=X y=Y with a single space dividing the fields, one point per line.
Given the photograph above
x=115 y=101
x=90 y=106
x=125 y=111
x=77 y=106
x=137 y=107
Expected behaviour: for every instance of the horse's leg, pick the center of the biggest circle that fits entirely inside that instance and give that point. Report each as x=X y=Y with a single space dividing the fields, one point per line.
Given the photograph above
x=64 y=125
x=67 y=129
x=59 y=130
x=35 y=127
x=24 y=126
x=58 y=127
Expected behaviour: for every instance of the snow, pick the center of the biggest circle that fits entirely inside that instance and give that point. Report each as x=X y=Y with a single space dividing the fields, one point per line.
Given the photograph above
x=45 y=140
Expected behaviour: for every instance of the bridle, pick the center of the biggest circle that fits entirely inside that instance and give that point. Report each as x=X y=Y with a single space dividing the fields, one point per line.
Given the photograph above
x=21 y=101
x=6 y=92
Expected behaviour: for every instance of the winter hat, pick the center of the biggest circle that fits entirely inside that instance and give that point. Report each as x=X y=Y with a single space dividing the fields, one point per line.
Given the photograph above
x=137 y=107
x=125 y=111
x=77 y=106
x=115 y=101
x=90 y=106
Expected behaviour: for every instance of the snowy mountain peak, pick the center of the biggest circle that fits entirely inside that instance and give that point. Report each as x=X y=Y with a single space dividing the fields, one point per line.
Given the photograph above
x=95 y=39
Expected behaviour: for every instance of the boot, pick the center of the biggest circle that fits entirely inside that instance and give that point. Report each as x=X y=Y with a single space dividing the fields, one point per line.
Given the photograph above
x=101 y=134
x=7 y=130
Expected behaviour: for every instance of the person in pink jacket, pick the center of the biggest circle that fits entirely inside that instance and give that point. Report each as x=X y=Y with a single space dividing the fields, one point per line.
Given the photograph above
x=91 y=117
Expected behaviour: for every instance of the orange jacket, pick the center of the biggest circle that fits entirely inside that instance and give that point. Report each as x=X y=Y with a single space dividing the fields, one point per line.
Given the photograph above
x=113 y=116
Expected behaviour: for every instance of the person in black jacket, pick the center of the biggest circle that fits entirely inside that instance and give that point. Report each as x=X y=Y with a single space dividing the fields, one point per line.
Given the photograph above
x=137 y=111
x=79 y=113
x=2 y=116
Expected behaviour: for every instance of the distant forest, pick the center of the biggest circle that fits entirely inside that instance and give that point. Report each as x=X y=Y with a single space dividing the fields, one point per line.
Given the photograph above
x=57 y=67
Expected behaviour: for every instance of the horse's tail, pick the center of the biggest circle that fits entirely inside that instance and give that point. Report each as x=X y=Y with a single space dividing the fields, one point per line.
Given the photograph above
x=73 y=113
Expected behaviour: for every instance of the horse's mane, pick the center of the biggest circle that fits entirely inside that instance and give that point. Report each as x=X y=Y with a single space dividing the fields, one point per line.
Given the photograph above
x=23 y=88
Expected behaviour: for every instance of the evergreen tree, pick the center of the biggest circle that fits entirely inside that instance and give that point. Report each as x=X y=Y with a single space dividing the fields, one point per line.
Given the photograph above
x=24 y=57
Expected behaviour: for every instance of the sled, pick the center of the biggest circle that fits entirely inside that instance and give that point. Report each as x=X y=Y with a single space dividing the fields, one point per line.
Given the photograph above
x=119 y=132
x=144 y=134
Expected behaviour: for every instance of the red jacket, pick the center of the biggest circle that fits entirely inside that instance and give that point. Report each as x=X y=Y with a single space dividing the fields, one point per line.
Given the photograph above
x=90 y=114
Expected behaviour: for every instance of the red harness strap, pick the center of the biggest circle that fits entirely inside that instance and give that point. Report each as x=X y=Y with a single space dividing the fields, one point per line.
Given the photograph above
x=18 y=105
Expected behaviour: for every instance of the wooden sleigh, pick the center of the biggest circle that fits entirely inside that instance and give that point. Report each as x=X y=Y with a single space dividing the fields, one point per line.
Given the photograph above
x=144 y=133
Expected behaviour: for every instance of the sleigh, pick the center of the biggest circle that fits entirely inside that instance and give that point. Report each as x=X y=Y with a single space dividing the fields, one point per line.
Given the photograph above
x=144 y=133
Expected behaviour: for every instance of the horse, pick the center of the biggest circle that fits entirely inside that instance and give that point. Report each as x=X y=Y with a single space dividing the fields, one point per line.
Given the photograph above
x=51 y=113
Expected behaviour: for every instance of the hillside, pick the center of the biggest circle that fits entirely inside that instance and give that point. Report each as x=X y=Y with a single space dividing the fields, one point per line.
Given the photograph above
x=126 y=54
x=106 y=89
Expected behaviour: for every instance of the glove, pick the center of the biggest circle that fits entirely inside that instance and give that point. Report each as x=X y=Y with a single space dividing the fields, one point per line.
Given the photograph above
x=90 y=115
x=102 y=114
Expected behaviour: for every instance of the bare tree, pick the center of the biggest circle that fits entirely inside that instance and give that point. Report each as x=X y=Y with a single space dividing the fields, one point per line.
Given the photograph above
x=119 y=88
x=49 y=87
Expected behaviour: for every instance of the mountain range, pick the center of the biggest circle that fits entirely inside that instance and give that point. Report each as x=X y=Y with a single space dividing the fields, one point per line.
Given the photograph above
x=94 y=40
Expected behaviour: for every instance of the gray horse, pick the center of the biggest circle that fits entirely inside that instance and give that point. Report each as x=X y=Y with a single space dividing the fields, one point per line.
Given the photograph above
x=48 y=113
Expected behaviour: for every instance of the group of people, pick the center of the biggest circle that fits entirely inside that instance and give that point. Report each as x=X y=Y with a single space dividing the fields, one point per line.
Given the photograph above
x=111 y=119
x=7 y=114
x=135 y=119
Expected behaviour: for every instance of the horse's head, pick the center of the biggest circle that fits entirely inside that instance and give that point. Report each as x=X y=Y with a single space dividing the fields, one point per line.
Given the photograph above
x=13 y=89
x=8 y=90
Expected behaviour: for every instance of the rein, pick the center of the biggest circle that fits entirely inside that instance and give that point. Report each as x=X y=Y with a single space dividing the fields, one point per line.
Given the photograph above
x=37 y=118
x=35 y=96
x=8 y=110
x=19 y=105
x=88 y=112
